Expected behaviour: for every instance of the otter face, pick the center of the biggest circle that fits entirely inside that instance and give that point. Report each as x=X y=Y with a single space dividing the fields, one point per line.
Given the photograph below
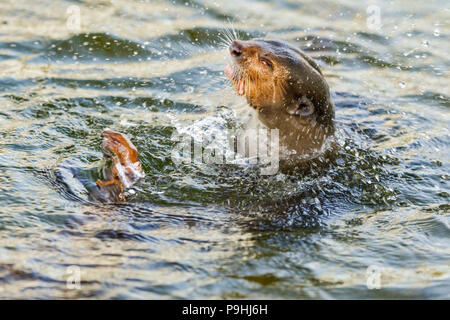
x=276 y=77
x=256 y=74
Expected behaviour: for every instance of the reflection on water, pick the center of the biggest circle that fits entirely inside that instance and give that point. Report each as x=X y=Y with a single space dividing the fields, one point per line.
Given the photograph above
x=149 y=68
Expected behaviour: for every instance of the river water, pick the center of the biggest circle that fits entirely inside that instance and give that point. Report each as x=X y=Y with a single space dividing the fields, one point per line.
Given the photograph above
x=371 y=222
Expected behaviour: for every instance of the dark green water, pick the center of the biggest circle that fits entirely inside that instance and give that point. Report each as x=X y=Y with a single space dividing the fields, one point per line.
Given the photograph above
x=206 y=231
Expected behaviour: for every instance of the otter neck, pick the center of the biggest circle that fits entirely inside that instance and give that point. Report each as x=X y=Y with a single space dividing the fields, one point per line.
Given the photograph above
x=304 y=135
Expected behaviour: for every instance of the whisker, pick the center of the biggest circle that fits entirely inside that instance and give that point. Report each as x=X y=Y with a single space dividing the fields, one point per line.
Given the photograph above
x=234 y=31
x=228 y=34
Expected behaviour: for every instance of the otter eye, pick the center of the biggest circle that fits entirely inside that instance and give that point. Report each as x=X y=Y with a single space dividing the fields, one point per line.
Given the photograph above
x=266 y=62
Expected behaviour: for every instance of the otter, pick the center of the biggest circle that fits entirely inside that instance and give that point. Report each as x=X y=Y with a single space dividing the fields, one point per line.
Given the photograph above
x=288 y=90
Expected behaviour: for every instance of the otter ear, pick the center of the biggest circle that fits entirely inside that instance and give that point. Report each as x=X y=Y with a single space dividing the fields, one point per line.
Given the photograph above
x=303 y=107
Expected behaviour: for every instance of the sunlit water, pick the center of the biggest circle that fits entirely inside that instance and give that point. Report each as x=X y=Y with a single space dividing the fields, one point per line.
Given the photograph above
x=379 y=208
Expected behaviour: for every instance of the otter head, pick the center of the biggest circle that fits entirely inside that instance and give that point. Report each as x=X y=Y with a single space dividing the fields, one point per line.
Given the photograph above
x=281 y=82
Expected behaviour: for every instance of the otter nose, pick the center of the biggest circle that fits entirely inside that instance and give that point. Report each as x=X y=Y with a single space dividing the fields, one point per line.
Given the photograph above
x=236 y=48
